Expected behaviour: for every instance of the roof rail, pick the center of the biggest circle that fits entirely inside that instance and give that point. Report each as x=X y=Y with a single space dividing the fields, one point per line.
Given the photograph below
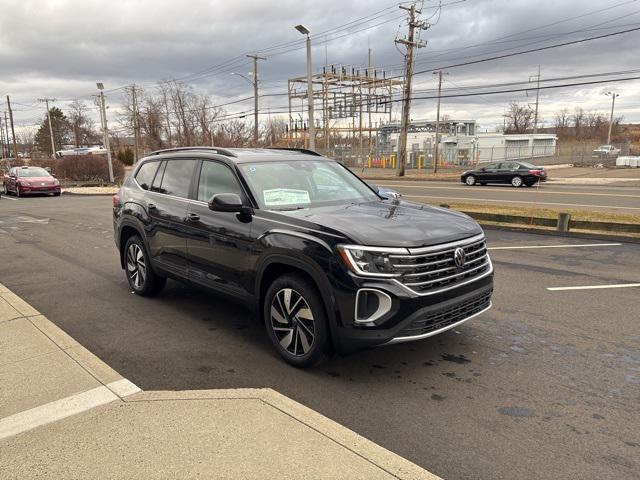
x=219 y=151
x=292 y=149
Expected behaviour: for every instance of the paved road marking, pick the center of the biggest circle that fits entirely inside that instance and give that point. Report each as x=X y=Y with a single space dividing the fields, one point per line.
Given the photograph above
x=513 y=190
x=65 y=407
x=57 y=410
x=593 y=287
x=8 y=198
x=532 y=202
x=522 y=247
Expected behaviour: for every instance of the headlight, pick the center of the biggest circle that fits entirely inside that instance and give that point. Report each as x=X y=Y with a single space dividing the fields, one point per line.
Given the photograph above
x=24 y=183
x=370 y=261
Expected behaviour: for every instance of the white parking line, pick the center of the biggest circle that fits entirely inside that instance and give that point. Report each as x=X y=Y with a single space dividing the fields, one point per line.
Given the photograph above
x=523 y=247
x=8 y=198
x=593 y=287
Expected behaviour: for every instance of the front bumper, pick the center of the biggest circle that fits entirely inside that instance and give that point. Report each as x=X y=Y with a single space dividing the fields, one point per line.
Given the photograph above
x=415 y=317
x=39 y=190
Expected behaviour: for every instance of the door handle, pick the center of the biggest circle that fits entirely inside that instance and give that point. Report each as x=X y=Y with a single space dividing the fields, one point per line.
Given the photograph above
x=192 y=217
x=151 y=206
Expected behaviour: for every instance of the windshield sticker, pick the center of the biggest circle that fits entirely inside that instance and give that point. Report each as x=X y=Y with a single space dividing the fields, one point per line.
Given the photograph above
x=285 y=196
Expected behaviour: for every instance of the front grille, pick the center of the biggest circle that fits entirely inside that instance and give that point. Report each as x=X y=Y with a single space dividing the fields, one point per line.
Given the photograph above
x=447 y=316
x=429 y=269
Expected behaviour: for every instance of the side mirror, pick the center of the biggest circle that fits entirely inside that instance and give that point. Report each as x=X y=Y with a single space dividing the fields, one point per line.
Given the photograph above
x=226 y=202
x=12 y=175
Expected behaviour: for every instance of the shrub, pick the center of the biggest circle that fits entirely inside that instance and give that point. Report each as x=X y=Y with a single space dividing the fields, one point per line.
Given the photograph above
x=84 y=168
x=125 y=156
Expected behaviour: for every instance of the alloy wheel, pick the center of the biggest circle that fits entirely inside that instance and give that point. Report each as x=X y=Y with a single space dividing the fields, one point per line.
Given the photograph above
x=471 y=180
x=516 y=181
x=136 y=266
x=292 y=322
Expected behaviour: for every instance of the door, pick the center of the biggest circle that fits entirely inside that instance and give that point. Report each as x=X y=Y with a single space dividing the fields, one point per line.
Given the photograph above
x=11 y=180
x=167 y=204
x=218 y=242
x=488 y=173
x=506 y=171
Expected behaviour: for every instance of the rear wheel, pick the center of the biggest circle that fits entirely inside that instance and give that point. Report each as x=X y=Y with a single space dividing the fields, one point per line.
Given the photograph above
x=296 y=321
x=141 y=277
x=516 y=181
x=470 y=180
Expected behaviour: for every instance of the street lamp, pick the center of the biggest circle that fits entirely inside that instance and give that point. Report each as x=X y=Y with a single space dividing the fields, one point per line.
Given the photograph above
x=312 y=131
x=613 y=96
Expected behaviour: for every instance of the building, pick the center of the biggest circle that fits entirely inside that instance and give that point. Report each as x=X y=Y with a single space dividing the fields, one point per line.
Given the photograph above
x=460 y=144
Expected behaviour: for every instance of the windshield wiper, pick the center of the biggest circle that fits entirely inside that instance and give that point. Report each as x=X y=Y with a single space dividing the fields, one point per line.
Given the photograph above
x=289 y=209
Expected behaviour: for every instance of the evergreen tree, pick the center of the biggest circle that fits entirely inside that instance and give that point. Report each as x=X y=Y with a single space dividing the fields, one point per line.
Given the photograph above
x=60 y=131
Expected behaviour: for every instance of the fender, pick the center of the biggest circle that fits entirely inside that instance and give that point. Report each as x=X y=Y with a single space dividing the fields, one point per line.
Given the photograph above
x=282 y=250
x=134 y=222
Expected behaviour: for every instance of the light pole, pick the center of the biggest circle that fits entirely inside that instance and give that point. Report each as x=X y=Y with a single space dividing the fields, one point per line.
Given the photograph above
x=312 y=130
x=105 y=130
x=613 y=96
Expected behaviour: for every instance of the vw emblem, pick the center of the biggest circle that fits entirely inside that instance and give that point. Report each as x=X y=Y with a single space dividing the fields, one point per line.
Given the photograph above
x=459 y=257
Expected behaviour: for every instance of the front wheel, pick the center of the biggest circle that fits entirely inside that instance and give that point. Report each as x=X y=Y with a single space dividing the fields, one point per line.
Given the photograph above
x=516 y=181
x=470 y=180
x=296 y=321
x=17 y=191
x=141 y=277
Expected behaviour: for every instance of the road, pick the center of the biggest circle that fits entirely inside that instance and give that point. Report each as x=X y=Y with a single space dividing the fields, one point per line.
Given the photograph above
x=545 y=385
x=600 y=198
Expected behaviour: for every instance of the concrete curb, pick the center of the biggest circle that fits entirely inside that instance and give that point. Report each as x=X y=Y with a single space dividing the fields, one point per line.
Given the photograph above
x=384 y=459
x=555 y=233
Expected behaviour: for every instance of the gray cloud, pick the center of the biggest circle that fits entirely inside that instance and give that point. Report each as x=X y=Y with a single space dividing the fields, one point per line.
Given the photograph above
x=61 y=48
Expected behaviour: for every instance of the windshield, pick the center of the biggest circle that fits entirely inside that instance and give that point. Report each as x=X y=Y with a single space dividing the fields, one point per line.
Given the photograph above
x=33 y=172
x=291 y=185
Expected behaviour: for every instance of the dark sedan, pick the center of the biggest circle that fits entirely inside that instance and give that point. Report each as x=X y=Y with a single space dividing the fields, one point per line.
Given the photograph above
x=515 y=173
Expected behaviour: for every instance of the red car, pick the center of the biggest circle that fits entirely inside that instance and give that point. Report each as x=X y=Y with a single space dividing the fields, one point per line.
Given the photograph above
x=30 y=180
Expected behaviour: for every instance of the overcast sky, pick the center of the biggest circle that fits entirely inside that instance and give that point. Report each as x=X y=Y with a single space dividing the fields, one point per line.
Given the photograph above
x=60 y=48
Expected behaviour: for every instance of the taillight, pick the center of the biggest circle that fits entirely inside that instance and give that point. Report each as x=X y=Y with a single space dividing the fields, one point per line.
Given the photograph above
x=116 y=200
x=535 y=172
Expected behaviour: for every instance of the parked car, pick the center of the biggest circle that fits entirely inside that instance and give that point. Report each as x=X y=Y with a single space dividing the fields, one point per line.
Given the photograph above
x=605 y=151
x=327 y=262
x=29 y=180
x=515 y=173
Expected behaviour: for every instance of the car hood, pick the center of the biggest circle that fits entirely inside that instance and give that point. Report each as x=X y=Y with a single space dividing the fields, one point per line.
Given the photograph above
x=391 y=223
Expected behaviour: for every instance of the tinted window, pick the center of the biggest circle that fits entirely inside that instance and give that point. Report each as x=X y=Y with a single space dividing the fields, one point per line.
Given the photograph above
x=492 y=165
x=145 y=174
x=155 y=187
x=216 y=178
x=526 y=166
x=177 y=177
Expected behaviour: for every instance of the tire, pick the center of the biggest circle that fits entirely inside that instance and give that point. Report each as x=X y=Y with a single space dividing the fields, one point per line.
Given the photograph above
x=516 y=181
x=140 y=275
x=56 y=194
x=6 y=189
x=470 y=180
x=301 y=339
x=484 y=184
x=17 y=191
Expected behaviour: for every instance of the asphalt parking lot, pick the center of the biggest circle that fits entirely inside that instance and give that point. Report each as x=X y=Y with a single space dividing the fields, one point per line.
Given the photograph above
x=545 y=385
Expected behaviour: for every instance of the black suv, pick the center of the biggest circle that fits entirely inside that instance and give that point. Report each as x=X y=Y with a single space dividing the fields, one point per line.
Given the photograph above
x=327 y=261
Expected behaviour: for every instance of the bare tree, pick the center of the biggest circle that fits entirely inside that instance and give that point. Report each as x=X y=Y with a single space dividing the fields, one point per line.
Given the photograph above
x=82 y=129
x=519 y=118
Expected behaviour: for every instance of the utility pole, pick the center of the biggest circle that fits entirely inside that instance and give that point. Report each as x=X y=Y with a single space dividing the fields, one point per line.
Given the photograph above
x=435 y=156
x=6 y=134
x=410 y=43
x=105 y=130
x=13 y=132
x=136 y=126
x=255 y=96
x=2 y=141
x=312 y=130
x=53 y=143
x=535 y=118
x=613 y=106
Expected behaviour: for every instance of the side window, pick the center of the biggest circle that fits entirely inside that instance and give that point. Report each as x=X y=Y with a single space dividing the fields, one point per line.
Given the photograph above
x=155 y=186
x=145 y=174
x=177 y=177
x=216 y=178
x=492 y=166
